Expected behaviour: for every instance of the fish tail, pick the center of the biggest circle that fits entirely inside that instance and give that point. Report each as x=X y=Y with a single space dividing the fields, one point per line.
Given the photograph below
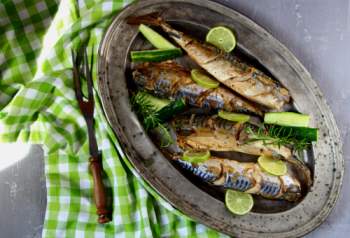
x=152 y=19
x=155 y=19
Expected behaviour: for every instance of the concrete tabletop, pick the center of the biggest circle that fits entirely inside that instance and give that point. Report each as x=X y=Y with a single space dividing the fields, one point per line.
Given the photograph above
x=316 y=31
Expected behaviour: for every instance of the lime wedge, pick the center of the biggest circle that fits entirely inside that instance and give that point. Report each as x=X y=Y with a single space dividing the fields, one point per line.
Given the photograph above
x=202 y=79
x=272 y=166
x=221 y=37
x=230 y=116
x=194 y=156
x=238 y=203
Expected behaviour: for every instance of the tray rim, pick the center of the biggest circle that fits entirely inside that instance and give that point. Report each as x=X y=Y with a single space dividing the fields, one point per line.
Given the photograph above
x=295 y=64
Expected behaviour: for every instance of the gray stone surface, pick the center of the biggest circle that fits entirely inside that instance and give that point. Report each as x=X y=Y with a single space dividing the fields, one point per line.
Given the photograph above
x=23 y=196
x=316 y=31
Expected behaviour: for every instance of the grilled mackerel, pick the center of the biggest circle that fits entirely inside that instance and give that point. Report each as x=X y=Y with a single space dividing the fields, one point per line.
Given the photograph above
x=170 y=80
x=245 y=177
x=213 y=133
x=244 y=79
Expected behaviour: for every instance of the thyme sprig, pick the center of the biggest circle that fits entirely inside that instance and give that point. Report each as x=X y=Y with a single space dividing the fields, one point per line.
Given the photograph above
x=272 y=135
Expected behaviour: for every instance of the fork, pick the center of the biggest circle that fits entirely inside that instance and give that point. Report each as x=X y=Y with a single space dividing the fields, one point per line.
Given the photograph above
x=81 y=68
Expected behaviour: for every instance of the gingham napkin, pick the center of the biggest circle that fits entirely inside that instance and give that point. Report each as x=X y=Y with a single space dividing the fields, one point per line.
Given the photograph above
x=38 y=105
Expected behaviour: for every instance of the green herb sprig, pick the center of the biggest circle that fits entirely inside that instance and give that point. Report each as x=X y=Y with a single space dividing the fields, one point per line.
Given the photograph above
x=272 y=135
x=150 y=117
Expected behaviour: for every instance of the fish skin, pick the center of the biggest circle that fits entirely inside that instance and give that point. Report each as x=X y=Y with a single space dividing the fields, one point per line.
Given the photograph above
x=245 y=80
x=213 y=133
x=245 y=177
x=170 y=80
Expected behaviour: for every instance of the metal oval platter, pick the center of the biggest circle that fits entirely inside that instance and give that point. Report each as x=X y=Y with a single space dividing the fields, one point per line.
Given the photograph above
x=268 y=218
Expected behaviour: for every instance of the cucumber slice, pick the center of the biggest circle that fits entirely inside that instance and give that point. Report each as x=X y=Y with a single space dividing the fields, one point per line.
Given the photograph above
x=155 y=55
x=287 y=119
x=155 y=38
x=300 y=133
x=157 y=103
x=154 y=111
x=230 y=116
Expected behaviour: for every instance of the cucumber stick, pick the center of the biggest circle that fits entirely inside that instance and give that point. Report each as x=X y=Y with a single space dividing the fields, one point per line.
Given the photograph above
x=287 y=119
x=300 y=133
x=171 y=109
x=164 y=114
x=157 y=103
x=155 y=55
x=165 y=109
x=155 y=38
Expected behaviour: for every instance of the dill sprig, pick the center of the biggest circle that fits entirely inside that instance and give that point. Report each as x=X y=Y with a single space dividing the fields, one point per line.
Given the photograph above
x=150 y=117
x=273 y=135
x=145 y=110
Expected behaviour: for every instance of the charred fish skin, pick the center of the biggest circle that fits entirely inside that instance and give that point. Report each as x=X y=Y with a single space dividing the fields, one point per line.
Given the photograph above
x=245 y=177
x=170 y=80
x=246 y=80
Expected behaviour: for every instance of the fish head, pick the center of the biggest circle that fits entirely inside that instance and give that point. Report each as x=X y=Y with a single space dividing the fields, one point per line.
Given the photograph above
x=291 y=187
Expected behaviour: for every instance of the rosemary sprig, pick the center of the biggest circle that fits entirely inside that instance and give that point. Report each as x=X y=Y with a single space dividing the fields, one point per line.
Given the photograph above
x=271 y=135
x=150 y=117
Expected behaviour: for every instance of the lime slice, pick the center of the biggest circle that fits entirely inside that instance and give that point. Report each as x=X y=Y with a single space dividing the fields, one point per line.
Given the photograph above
x=238 y=203
x=230 y=116
x=194 y=156
x=203 y=79
x=272 y=166
x=221 y=37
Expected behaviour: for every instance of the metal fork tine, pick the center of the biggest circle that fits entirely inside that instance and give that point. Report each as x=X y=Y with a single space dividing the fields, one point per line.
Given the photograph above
x=88 y=74
x=91 y=69
x=73 y=57
x=76 y=78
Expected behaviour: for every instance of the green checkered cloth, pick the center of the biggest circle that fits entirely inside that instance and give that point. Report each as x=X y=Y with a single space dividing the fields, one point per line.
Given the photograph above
x=38 y=105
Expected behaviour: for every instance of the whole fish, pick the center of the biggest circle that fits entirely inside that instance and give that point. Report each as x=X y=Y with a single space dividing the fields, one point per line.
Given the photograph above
x=245 y=177
x=170 y=80
x=244 y=79
x=214 y=133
